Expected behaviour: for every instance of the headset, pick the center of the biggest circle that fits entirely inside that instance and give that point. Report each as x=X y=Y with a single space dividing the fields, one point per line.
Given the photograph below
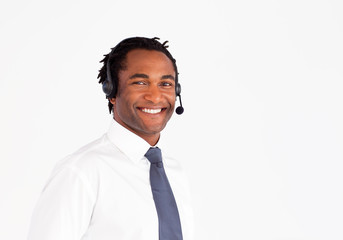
x=109 y=88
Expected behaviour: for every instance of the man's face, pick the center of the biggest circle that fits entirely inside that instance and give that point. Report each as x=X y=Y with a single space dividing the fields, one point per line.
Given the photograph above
x=146 y=93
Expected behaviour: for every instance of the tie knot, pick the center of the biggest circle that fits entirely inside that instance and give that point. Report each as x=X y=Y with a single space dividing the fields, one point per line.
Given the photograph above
x=154 y=155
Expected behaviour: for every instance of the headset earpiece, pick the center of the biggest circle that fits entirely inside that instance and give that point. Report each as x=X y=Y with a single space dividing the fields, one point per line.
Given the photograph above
x=107 y=85
x=178 y=89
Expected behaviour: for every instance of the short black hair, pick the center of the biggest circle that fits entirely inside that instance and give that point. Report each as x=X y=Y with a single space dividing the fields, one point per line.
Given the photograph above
x=117 y=58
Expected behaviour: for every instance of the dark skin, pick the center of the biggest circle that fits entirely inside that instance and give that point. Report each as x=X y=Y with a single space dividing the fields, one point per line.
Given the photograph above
x=145 y=99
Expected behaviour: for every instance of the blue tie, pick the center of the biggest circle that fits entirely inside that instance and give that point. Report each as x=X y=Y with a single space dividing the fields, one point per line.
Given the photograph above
x=168 y=215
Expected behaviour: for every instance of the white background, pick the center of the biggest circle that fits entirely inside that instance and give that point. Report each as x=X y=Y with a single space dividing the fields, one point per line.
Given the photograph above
x=261 y=137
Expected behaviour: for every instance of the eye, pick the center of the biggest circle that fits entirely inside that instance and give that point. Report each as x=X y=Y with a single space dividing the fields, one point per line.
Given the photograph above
x=139 y=83
x=167 y=84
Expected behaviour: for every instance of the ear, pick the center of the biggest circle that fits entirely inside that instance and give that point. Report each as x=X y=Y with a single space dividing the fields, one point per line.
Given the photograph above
x=112 y=100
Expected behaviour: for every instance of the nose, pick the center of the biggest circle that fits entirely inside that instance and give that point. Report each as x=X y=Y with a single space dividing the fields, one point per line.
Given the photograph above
x=153 y=94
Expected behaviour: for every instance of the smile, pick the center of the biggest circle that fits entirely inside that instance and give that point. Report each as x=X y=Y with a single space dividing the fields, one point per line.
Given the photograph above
x=151 y=111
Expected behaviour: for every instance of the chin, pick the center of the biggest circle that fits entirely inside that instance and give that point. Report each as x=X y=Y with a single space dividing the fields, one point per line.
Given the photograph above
x=154 y=129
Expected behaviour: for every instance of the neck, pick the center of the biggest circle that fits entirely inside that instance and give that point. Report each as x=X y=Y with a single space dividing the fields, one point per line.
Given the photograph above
x=152 y=139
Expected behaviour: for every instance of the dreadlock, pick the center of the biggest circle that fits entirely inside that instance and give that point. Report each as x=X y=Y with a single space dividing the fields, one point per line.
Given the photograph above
x=117 y=58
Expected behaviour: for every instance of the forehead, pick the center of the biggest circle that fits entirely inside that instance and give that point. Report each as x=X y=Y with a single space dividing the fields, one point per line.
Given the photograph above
x=139 y=59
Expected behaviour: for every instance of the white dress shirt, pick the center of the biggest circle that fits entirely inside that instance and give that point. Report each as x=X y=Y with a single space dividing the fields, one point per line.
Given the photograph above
x=102 y=192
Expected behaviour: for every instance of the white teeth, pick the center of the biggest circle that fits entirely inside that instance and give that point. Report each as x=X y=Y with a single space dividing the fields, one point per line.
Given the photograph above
x=151 y=111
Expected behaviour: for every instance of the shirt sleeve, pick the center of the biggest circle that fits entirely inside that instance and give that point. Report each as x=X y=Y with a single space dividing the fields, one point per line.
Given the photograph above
x=64 y=209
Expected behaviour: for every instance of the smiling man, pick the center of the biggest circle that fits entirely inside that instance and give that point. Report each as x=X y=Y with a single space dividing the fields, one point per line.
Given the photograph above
x=146 y=93
x=122 y=186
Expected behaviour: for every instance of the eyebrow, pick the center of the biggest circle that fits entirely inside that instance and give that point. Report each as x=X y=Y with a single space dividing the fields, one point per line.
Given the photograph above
x=168 y=77
x=139 y=75
x=142 y=75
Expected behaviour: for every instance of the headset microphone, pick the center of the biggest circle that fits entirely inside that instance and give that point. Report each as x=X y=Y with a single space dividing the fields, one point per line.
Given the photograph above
x=179 y=110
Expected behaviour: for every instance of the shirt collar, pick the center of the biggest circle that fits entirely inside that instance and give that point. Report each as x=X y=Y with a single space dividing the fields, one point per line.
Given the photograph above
x=133 y=146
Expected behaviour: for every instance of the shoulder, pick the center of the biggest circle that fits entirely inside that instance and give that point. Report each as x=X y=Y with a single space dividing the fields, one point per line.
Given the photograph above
x=87 y=162
x=89 y=155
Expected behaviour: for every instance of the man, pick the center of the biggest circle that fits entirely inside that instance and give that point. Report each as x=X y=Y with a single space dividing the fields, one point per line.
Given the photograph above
x=117 y=187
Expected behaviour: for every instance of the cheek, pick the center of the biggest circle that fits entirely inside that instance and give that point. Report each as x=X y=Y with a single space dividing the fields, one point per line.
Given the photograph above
x=172 y=99
x=123 y=106
x=126 y=103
